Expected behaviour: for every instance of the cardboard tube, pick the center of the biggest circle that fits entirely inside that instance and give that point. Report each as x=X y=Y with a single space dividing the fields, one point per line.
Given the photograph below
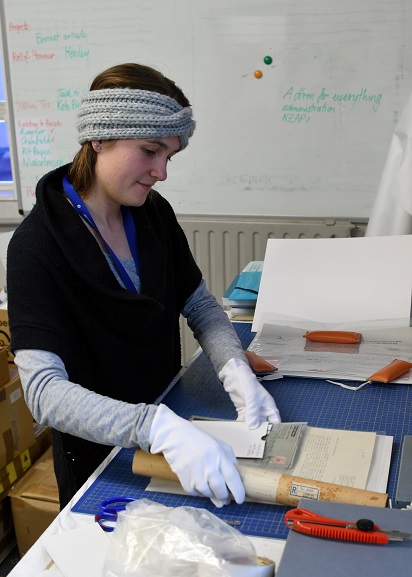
x=268 y=486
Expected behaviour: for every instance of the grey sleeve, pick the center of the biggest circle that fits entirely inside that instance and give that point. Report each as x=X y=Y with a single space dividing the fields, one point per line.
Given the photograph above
x=212 y=328
x=68 y=407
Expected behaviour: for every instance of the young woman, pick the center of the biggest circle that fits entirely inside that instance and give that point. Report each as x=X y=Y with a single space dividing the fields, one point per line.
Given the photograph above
x=98 y=274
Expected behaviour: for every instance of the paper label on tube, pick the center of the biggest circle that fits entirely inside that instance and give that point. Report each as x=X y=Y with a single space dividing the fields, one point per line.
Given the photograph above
x=304 y=491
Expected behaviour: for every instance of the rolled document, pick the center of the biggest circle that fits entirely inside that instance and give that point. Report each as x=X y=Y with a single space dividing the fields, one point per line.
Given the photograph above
x=269 y=486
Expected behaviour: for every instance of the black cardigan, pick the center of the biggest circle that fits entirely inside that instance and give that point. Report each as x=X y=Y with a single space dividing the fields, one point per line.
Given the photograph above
x=63 y=297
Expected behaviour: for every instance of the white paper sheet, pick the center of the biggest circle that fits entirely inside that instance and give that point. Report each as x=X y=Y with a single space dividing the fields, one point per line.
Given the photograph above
x=286 y=348
x=336 y=280
x=244 y=442
x=335 y=456
x=381 y=462
x=87 y=547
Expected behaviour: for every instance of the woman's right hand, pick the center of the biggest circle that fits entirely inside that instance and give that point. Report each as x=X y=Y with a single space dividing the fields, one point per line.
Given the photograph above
x=205 y=465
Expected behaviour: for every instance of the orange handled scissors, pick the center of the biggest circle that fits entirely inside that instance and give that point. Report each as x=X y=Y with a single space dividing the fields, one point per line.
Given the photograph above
x=361 y=531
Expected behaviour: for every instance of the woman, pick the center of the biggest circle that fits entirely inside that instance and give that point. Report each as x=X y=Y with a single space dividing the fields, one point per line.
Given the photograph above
x=98 y=274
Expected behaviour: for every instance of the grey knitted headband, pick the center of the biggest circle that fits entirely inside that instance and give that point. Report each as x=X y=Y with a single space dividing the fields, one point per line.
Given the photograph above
x=119 y=113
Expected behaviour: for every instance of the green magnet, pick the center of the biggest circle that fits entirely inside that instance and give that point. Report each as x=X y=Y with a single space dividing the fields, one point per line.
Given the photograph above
x=268 y=60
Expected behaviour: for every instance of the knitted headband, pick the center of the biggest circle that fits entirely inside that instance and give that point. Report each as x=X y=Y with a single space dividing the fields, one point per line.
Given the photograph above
x=119 y=113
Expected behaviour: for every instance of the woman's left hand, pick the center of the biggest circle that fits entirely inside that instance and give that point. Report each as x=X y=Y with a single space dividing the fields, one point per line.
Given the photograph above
x=252 y=401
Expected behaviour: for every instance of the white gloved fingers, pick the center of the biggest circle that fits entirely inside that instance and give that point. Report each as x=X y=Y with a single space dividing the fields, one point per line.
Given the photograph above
x=195 y=482
x=224 y=485
x=231 y=475
x=252 y=401
x=219 y=504
x=252 y=412
x=218 y=488
x=187 y=483
x=271 y=415
x=211 y=485
x=262 y=408
x=215 y=485
x=236 y=487
x=221 y=476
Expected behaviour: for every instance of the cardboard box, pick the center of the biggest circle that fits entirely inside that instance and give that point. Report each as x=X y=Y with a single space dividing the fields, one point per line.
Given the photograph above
x=7 y=536
x=16 y=422
x=5 y=332
x=15 y=470
x=34 y=502
x=4 y=366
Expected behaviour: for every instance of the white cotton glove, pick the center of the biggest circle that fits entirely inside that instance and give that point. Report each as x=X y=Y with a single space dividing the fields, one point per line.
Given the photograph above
x=205 y=465
x=252 y=401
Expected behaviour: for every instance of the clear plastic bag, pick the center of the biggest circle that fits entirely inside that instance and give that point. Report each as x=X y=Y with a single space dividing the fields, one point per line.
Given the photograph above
x=152 y=539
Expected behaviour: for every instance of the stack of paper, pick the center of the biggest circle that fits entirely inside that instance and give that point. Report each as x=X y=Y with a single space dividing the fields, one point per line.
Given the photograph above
x=348 y=284
x=358 y=459
x=242 y=294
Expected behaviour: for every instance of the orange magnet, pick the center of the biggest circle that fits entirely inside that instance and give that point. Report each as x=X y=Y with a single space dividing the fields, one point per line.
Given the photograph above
x=258 y=74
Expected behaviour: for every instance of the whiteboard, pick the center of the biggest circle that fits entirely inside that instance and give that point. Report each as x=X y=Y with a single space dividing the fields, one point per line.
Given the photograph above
x=307 y=139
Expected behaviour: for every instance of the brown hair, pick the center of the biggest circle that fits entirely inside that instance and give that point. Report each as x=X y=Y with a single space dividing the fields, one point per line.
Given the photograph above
x=135 y=76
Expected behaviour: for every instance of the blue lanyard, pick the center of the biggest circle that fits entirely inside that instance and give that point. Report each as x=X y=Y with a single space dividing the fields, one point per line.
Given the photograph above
x=129 y=228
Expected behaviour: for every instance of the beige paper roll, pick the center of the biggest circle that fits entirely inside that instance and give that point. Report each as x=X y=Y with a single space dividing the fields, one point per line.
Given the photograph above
x=268 y=486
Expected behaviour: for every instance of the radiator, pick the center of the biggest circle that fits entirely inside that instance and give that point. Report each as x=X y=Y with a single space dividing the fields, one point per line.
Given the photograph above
x=223 y=246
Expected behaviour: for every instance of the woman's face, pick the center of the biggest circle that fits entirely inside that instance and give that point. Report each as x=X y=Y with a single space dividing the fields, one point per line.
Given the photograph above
x=126 y=170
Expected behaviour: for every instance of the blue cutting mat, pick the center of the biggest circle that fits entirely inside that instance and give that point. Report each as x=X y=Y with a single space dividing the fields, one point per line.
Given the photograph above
x=381 y=408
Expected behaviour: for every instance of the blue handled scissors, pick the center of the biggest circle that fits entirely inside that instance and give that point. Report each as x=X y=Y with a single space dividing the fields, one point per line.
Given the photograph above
x=109 y=511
